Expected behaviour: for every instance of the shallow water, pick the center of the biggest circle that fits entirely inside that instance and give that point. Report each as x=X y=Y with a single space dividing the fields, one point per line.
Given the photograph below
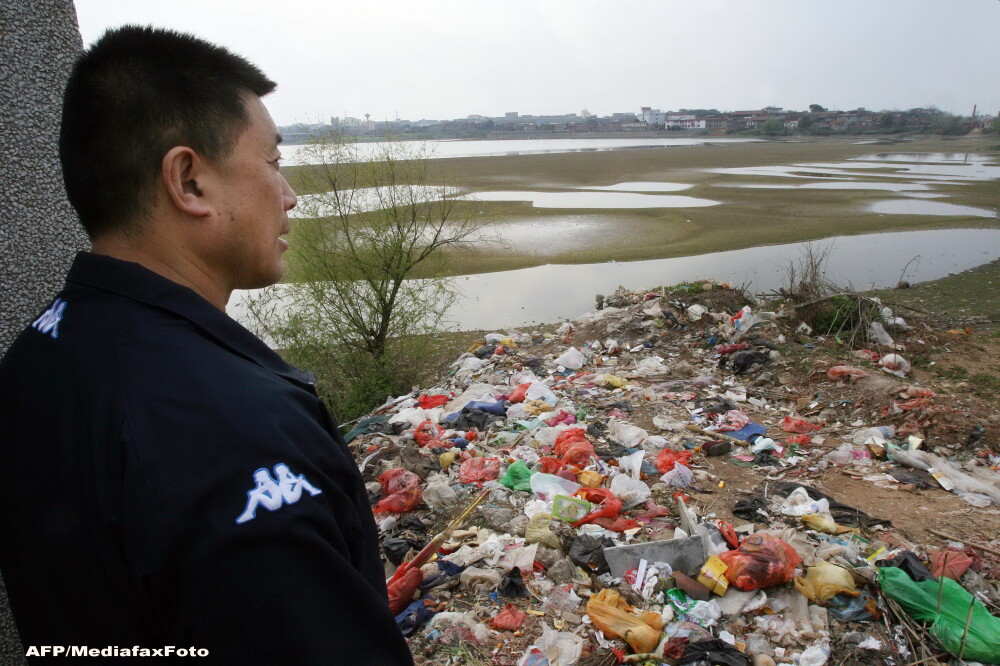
x=584 y=199
x=639 y=186
x=923 y=207
x=554 y=292
x=837 y=185
x=294 y=154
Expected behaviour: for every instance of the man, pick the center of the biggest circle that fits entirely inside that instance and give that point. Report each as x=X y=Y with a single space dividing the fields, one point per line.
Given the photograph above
x=170 y=480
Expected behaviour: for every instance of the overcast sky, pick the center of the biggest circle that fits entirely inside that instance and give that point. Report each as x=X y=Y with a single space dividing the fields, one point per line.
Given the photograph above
x=452 y=58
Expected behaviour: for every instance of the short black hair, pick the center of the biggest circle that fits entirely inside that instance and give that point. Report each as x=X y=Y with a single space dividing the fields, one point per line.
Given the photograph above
x=137 y=92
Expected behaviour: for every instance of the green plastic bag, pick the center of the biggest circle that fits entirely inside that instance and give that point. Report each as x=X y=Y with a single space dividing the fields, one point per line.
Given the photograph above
x=517 y=476
x=920 y=601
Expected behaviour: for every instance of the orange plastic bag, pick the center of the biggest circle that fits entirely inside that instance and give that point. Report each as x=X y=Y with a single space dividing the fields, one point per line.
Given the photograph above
x=792 y=424
x=761 y=561
x=400 y=491
x=590 y=479
x=610 y=613
x=609 y=506
x=667 y=458
x=479 y=470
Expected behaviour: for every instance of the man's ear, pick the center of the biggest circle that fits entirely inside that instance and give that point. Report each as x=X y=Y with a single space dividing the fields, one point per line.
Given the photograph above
x=183 y=171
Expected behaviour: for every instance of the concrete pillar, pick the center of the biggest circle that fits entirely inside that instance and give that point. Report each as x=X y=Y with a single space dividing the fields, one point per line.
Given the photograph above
x=39 y=233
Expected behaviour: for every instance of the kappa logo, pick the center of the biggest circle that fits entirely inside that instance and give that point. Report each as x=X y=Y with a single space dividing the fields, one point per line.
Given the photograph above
x=49 y=321
x=274 y=492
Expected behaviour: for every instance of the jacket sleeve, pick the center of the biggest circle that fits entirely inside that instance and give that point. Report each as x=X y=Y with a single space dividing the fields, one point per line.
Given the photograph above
x=248 y=532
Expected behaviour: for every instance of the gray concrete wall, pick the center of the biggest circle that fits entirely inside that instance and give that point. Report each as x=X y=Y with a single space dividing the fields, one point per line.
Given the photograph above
x=39 y=233
x=39 y=39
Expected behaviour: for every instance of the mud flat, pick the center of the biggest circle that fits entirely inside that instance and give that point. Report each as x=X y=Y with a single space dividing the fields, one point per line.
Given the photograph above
x=813 y=199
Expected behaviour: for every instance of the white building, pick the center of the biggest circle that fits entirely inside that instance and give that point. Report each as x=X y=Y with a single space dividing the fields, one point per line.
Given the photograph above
x=685 y=122
x=653 y=116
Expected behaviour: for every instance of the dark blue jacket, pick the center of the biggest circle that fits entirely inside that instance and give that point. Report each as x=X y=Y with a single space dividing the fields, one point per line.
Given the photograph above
x=169 y=480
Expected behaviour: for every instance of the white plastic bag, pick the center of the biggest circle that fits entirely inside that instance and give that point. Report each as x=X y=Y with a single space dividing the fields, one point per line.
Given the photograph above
x=680 y=476
x=572 y=358
x=878 y=334
x=631 y=492
x=631 y=464
x=561 y=647
x=799 y=503
x=539 y=391
x=546 y=486
x=895 y=364
x=629 y=435
x=438 y=494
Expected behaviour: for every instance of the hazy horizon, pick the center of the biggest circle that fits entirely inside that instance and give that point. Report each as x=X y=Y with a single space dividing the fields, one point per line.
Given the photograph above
x=446 y=59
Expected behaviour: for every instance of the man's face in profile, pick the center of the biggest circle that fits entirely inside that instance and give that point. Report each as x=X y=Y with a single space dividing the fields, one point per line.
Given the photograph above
x=255 y=204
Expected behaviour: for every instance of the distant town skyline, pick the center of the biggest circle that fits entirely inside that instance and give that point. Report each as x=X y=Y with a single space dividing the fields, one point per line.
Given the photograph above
x=451 y=59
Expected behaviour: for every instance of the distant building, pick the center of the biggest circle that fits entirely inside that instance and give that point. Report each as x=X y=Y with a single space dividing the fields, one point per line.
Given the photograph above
x=685 y=122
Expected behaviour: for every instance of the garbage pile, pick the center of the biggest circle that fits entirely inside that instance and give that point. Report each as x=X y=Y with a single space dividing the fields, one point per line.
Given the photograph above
x=634 y=487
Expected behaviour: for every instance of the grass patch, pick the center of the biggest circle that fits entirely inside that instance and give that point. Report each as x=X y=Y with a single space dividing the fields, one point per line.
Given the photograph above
x=985 y=384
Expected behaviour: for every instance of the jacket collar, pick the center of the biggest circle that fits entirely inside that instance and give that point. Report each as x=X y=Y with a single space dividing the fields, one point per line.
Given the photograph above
x=133 y=281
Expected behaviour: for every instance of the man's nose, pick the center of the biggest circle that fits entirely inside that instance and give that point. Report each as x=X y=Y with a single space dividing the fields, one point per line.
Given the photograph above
x=288 y=195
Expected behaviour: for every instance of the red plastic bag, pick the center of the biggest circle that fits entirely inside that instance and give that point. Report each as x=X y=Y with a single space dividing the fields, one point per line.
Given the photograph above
x=517 y=395
x=838 y=371
x=401 y=491
x=802 y=440
x=618 y=524
x=792 y=424
x=432 y=401
x=915 y=392
x=609 y=506
x=401 y=590
x=428 y=434
x=567 y=438
x=578 y=454
x=550 y=465
x=729 y=349
x=509 y=618
x=667 y=458
x=952 y=562
x=569 y=418
x=479 y=470
x=761 y=561
x=734 y=419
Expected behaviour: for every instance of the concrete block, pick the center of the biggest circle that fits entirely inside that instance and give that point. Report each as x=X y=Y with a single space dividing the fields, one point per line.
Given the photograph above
x=685 y=555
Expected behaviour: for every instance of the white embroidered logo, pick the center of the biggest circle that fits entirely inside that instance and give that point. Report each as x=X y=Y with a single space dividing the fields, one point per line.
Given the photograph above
x=49 y=321
x=272 y=493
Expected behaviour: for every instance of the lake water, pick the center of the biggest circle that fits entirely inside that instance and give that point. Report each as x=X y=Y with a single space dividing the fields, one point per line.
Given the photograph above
x=555 y=292
x=294 y=154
